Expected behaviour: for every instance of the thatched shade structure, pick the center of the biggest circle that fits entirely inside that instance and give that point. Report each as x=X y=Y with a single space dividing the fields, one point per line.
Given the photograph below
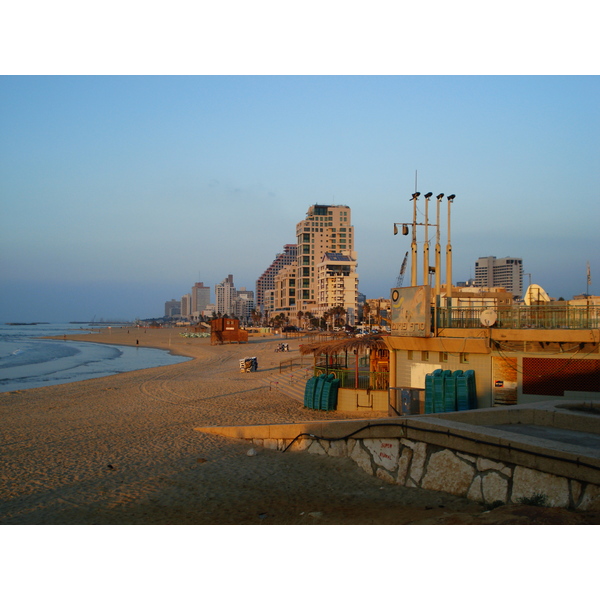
x=360 y=344
x=356 y=345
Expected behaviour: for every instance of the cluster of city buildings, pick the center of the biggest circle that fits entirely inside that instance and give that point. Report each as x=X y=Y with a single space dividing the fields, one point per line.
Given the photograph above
x=306 y=281
x=317 y=275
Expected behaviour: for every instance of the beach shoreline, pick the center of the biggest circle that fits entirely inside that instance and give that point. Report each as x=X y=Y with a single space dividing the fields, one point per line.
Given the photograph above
x=122 y=449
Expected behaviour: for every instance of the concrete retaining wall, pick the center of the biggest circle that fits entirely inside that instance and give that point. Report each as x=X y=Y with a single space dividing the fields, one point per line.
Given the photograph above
x=421 y=465
x=465 y=454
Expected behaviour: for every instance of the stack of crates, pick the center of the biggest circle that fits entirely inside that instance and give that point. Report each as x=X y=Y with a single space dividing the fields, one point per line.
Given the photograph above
x=447 y=391
x=321 y=392
x=466 y=395
x=309 y=392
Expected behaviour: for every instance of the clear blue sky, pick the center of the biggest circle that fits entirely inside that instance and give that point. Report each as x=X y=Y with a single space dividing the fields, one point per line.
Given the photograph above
x=118 y=193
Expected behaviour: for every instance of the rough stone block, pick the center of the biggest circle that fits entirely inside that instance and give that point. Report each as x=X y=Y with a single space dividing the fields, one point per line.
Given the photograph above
x=385 y=476
x=316 y=448
x=484 y=464
x=494 y=488
x=404 y=464
x=467 y=457
x=409 y=443
x=418 y=462
x=448 y=473
x=385 y=452
x=300 y=445
x=350 y=443
x=575 y=491
x=258 y=442
x=591 y=498
x=338 y=448
x=270 y=444
x=527 y=482
x=475 y=492
x=362 y=458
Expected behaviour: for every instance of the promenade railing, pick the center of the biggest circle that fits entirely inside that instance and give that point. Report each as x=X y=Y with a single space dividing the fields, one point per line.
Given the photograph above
x=522 y=317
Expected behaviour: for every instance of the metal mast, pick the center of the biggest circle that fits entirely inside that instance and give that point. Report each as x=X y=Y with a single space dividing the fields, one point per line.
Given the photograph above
x=413 y=246
x=438 y=249
x=449 y=254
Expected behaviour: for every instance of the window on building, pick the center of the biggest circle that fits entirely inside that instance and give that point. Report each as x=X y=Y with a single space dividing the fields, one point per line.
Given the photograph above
x=425 y=355
x=443 y=357
x=409 y=354
x=464 y=357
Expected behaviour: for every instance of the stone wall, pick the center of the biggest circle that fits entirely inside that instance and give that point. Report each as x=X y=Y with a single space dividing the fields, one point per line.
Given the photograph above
x=418 y=464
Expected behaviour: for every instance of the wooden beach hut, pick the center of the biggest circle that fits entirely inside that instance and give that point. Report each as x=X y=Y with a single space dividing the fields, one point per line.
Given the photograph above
x=226 y=330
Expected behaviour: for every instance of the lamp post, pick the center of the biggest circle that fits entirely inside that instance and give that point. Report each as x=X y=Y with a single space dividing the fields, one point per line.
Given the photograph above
x=426 y=242
x=413 y=246
x=438 y=249
x=449 y=254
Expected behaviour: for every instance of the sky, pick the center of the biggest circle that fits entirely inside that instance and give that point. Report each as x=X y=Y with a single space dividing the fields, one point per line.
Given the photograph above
x=119 y=192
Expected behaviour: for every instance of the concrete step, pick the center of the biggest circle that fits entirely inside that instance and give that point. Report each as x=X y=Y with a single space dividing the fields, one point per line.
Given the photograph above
x=291 y=383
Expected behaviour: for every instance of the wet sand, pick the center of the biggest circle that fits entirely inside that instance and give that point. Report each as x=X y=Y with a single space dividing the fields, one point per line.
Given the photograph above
x=123 y=450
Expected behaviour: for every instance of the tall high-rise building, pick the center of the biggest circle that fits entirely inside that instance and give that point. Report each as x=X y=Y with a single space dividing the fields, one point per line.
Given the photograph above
x=500 y=272
x=243 y=304
x=200 y=297
x=267 y=280
x=225 y=296
x=186 y=305
x=172 y=308
x=327 y=229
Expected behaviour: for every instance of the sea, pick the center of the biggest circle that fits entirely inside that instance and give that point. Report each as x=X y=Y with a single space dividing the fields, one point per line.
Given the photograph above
x=27 y=361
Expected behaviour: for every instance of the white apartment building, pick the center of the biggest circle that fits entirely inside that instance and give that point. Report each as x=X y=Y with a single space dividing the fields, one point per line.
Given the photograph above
x=337 y=285
x=225 y=295
x=243 y=305
x=492 y=272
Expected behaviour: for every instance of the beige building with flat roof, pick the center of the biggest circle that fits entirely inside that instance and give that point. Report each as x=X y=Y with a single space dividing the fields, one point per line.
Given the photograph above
x=337 y=285
x=326 y=229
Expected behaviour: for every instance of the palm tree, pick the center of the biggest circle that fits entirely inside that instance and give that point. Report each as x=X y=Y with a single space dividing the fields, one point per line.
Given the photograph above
x=338 y=312
x=299 y=315
x=256 y=316
x=366 y=312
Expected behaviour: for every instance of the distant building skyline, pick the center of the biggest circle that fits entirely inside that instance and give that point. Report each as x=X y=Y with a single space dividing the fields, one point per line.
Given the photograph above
x=492 y=272
x=267 y=280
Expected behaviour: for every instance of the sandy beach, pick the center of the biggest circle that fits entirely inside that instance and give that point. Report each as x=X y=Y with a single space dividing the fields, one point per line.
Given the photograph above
x=123 y=450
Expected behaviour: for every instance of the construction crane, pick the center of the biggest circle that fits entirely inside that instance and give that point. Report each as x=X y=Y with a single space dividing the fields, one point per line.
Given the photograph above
x=402 y=269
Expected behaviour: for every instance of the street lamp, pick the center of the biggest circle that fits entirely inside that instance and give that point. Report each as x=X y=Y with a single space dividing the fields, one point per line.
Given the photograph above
x=449 y=253
x=413 y=246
